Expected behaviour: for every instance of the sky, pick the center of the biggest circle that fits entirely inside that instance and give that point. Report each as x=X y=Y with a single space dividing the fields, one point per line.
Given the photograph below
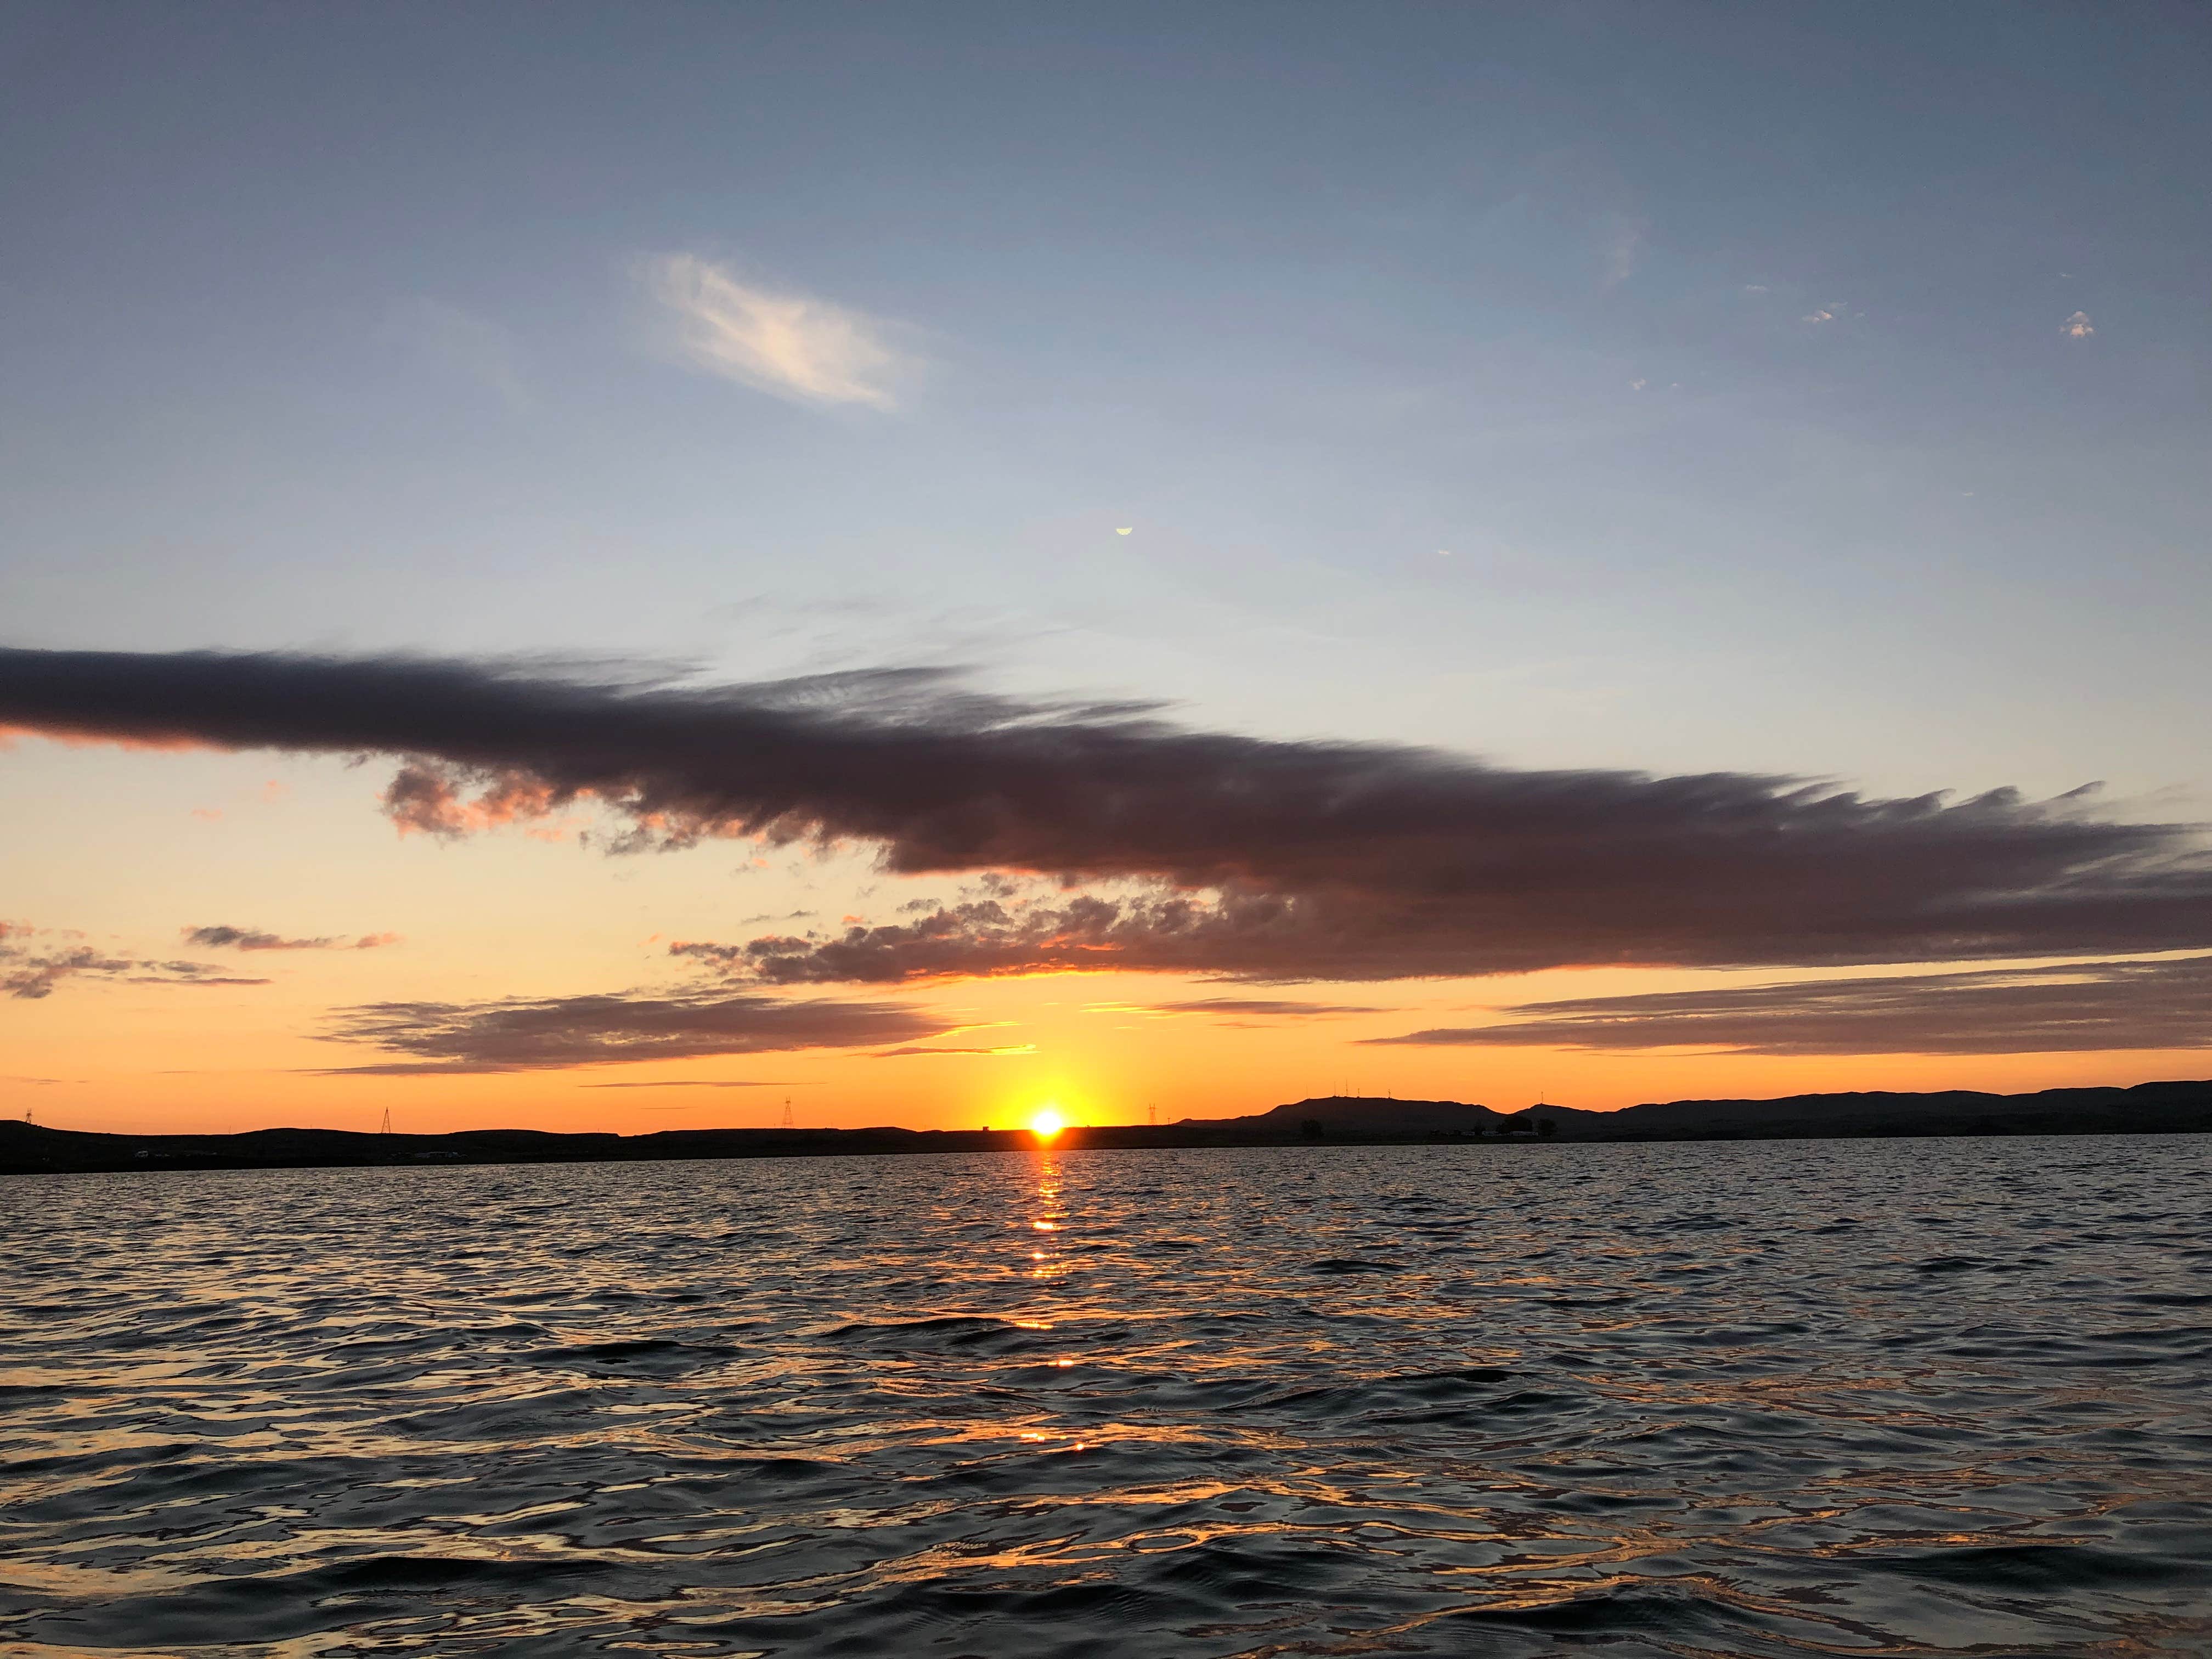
x=609 y=569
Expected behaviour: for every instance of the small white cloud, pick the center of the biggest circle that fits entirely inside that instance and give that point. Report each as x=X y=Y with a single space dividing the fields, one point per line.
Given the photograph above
x=1637 y=386
x=1757 y=287
x=2078 y=326
x=1818 y=316
x=1123 y=530
x=788 y=345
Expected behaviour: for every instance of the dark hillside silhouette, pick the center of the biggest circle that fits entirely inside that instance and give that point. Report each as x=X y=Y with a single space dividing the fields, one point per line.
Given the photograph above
x=1342 y=1120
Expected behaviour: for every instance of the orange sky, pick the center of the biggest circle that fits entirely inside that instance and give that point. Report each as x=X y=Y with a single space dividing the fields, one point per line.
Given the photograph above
x=128 y=849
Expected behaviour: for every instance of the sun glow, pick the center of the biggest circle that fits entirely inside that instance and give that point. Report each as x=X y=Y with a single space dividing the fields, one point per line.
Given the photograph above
x=1045 y=1122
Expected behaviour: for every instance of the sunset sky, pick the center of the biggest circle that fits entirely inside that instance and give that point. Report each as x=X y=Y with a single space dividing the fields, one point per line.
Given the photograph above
x=611 y=568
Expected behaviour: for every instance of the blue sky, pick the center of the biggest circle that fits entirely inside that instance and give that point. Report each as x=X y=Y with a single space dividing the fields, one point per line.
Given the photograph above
x=1812 y=389
x=328 y=326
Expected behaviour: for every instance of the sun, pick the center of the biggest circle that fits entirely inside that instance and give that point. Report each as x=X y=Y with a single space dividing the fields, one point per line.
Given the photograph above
x=1045 y=1122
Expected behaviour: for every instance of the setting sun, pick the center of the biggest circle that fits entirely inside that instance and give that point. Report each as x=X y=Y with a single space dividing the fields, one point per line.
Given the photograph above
x=1045 y=1122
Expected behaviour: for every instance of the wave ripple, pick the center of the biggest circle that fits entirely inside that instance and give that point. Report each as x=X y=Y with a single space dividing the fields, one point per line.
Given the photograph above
x=1783 y=1399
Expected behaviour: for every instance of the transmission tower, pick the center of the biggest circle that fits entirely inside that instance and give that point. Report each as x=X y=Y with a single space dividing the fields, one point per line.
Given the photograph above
x=386 y=1129
x=788 y=1120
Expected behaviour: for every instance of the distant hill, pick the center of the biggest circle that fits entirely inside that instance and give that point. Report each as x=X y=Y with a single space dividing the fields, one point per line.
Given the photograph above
x=1348 y=1116
x=2146 y=1108
x=26 y=1148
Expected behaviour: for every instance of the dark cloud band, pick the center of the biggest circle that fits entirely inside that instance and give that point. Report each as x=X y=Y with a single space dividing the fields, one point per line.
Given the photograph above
x=220 y=936
x=1236 y=856
x=2066 y=1008
x=520 y=1034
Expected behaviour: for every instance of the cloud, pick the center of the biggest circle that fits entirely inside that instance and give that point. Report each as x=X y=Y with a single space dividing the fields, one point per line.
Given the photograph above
x=1819 y=316
x=30 y=975
x=1009 y=1048
x=789 y=345
x=699 y=1083
x=32 y=978
x=597 y=1029
x=2071 y=1008
x=220 y=936
x=1203 y=852
x=2078 y=326
x=1268 y=1007
x=981 y=939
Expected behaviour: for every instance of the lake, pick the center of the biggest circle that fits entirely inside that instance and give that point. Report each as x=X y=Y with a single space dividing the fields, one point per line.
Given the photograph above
x=1782 y=1398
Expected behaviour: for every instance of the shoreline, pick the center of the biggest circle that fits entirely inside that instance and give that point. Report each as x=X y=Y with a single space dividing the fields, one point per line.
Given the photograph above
x=2180 y=1108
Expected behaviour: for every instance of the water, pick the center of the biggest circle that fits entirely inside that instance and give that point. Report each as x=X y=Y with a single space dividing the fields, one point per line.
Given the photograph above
x=1933 y=1397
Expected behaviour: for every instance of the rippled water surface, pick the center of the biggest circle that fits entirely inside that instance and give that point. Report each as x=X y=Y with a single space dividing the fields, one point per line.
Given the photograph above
x=1793 y=1398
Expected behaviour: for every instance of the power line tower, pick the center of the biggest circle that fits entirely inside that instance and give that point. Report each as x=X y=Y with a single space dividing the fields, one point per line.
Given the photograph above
x=789 y=1122
x=1152 y=1112
x=386 y=1129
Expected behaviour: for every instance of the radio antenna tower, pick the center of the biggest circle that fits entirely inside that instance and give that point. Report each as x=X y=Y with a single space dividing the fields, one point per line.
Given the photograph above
x=788 y=1121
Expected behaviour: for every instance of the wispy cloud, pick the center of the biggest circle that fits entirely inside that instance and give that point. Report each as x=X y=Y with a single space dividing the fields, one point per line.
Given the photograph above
x=2078 y=326
x=920 y=1049
x=789 y=345
x=1258 y=1008
x=30 y=973
x=2068 y=1007
x=701 y=1082
x=220 y=936
x=975 y=939
x=595 y=1029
